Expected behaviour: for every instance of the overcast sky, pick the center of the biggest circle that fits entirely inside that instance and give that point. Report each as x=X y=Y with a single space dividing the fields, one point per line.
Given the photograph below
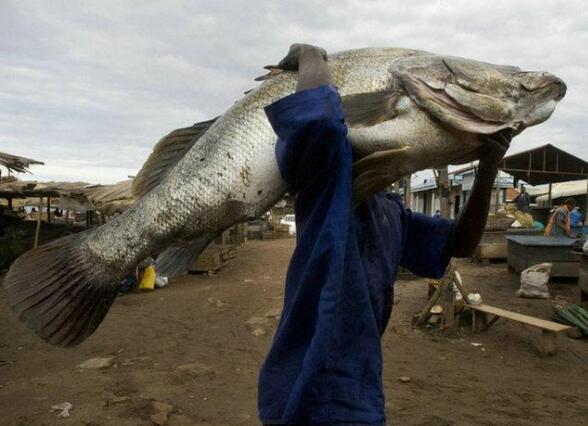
x=88 y=87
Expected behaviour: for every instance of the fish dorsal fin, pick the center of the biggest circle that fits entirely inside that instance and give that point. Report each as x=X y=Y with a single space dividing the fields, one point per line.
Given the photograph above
x=274 y=70
x=167 y=152
x=369 y=109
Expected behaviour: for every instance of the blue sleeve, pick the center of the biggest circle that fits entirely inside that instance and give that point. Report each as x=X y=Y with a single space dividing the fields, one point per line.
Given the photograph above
x=311 y=130
x=425 y=240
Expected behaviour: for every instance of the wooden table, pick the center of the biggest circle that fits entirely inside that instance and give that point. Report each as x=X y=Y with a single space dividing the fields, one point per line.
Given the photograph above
x=529 y=250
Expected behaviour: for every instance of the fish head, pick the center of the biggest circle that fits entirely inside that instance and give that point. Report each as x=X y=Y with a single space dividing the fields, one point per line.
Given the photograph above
x=479 y=97
x=433 y=111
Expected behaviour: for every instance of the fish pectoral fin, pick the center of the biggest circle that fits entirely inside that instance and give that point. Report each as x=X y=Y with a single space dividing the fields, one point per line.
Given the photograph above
x=368 y=183
x=391 y=159
x=166 y=154
x=376 y=171
x=274 y=70
x=369 y=109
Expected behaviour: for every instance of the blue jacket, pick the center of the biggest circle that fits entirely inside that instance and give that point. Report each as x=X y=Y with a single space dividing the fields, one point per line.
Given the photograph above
x=325 y=363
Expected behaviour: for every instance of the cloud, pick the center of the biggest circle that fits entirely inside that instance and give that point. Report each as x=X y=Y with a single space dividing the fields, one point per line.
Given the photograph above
x=89 y=87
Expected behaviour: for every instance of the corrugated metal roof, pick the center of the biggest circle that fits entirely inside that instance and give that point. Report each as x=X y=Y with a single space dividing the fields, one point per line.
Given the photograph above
x=545 y=164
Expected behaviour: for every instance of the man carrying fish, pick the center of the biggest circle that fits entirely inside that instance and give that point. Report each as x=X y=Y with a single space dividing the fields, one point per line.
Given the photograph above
x=325 y=365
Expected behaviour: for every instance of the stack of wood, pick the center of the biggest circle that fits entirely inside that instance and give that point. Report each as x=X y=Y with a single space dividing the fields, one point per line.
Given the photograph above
x=209 y=261
x=267 y=235
x=282 y=231
x=214 y=257
x=227 y=252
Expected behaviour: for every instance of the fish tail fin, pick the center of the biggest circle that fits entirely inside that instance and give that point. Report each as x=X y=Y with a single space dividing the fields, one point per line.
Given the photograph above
x=177 y=260
x=61 y=291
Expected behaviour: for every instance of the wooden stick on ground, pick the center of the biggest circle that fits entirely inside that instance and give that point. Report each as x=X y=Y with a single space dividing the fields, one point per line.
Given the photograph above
x=447 y=278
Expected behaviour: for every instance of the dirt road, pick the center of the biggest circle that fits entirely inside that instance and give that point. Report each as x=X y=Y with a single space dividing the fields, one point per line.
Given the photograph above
x=189 y=345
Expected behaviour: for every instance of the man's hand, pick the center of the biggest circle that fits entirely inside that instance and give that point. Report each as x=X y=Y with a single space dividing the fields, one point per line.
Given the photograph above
x=311 y=64
x=494 y=148
x=297 y=53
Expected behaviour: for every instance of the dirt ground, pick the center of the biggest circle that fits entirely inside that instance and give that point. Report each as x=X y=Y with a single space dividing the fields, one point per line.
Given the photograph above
x=189 y=345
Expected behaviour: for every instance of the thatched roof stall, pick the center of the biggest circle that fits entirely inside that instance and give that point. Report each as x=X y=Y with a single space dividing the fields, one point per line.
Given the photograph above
x=111 y=200
x=76 y=196
x=16 y=163
x=33 y=189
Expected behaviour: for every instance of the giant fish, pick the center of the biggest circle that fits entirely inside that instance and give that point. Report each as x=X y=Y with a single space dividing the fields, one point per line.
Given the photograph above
x=406 y=110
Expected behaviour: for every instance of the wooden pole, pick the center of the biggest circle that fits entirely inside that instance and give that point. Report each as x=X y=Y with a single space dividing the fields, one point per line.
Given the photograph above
x=38 y=230
x=443 y=282
x=444 y=192
x=549 y=197
x=407 y=193
x=48 y=209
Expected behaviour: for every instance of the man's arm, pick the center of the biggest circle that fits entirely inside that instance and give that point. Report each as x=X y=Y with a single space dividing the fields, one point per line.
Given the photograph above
x=469 y=224
x=310 y=123
x=311 y=64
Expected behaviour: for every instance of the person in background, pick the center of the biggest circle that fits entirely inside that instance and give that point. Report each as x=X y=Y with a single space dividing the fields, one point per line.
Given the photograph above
x=559 y=223
x=437 y=214
x=576 y=217
x=523 y=200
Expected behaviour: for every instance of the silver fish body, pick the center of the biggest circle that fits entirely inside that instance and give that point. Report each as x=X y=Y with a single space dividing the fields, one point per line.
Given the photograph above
x=407 y=110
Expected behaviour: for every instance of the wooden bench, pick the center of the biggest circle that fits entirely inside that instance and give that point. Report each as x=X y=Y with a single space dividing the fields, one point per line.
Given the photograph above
x=549 y=329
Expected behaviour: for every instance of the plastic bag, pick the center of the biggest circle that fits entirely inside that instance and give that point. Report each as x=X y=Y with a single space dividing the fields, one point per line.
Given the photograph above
x=534 y=281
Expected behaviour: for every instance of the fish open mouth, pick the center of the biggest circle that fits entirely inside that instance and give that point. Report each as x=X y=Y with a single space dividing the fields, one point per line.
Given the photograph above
x=545 y=90
x=542 y=84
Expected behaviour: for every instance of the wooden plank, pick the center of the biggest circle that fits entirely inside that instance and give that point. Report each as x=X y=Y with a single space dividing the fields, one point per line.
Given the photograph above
x=515 y=316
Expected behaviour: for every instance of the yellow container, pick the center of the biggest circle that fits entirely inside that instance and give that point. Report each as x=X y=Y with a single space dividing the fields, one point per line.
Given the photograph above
x=147 y=282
